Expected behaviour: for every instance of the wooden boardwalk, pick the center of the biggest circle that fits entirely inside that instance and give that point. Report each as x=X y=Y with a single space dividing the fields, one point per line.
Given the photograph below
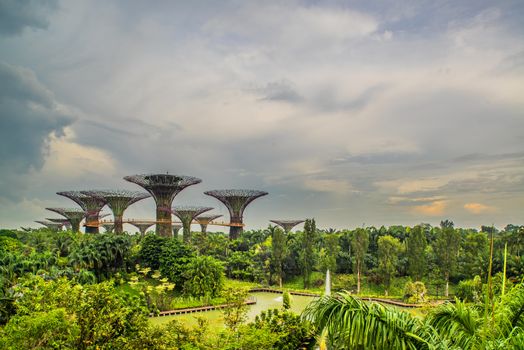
x=191 y=310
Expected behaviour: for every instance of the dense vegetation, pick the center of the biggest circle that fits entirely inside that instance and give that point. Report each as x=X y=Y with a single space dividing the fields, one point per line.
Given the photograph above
x=62 y=290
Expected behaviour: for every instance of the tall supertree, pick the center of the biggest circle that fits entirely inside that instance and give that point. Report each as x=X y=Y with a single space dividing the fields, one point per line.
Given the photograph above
x=53 y=226
x=141 y=226
x=287 y=225
x=92 y=206
x=118 y=201
x=73 y=215
x=176 y=228
x=236 y=202
x=163 y=188
x=204 y=220
x=186 y=215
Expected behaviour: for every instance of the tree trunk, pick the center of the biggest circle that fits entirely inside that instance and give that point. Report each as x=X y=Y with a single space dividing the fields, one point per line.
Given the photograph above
x=447 y=285
x=358 y=279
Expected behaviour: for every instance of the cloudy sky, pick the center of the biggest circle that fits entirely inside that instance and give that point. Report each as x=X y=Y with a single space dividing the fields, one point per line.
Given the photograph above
x=351 y=112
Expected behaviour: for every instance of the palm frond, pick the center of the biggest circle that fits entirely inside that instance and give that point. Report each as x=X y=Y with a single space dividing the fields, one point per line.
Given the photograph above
x=457 y=323
x=354 y=324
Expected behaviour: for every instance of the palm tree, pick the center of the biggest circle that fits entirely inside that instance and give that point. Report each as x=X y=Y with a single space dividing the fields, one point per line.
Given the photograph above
x=351 y=323
x=465 y=327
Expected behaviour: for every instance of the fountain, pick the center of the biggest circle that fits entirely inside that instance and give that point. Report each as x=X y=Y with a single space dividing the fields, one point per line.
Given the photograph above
x=327 y=290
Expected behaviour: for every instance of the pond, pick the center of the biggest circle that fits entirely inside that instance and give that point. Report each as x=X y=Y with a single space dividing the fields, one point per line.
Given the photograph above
x=264 y=300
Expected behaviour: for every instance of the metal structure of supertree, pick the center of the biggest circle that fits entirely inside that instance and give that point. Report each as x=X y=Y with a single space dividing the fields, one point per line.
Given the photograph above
x=163 y=188
x=73 y=215
x=236 y=202
x=176 y=228
x=287 y=225
x=204 y=220
x=141 y=226
x=61 y=221
x=108 y=227
x=186 y=214
x=54 y=226
x=118 y=201
x=92 y=206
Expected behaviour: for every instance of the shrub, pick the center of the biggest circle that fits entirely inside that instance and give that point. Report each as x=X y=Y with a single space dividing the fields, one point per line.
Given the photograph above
x=415 y=292
x=470 y=290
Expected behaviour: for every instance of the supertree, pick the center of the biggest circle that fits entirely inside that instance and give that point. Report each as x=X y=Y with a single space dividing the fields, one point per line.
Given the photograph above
x=92 y=206
x=141 y=226
x=108 y=227
x=163 y=188
x=73 y=215
x=118 y=201
x=287 y=225
x=236 y=202
x=186 y=214
x=204 y=220
x=176 y=228
x=53 y=226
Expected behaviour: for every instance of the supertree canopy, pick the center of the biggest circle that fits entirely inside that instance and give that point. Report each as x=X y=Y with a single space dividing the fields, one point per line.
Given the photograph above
x=141 y=226
x=92 y=206
x=54 y=226
x=287 y=225
x=204 y=220
x=163 y=188
x=186 y=215
x=73 y=215
x=61 y=221
x=118 y=201
x=236 y=202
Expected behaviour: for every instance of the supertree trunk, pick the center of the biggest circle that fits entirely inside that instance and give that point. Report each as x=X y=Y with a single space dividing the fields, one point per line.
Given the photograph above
x=119 y=226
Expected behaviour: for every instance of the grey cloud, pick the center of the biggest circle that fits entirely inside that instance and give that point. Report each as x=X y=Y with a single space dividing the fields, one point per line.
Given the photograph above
x=16 y=15
x=28 y=116
x=330 y=100
x=282 y=90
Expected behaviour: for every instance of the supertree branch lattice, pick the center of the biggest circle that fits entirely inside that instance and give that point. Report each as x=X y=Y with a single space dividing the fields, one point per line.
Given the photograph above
x=236 y=202
x=186 y=216
x=204 y=220
x=73 y=215
x=287 y=225
x=163 y=188
x=176 y=228
x=54 y=226
x=61 y=221
x=118 y=201
x=108 y=227
x=141 y=226
x=90 y=204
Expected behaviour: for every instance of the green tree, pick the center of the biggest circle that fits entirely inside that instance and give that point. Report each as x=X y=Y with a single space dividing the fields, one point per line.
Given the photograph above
x=236 y=311
x=415 y=249
x=359 y=247
x=474 y=259
x=328 y=254
x=204 y=277
x=389 y=249
x=446 y=248
x=279 y=251
x=308 y=255
x=286 y=300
